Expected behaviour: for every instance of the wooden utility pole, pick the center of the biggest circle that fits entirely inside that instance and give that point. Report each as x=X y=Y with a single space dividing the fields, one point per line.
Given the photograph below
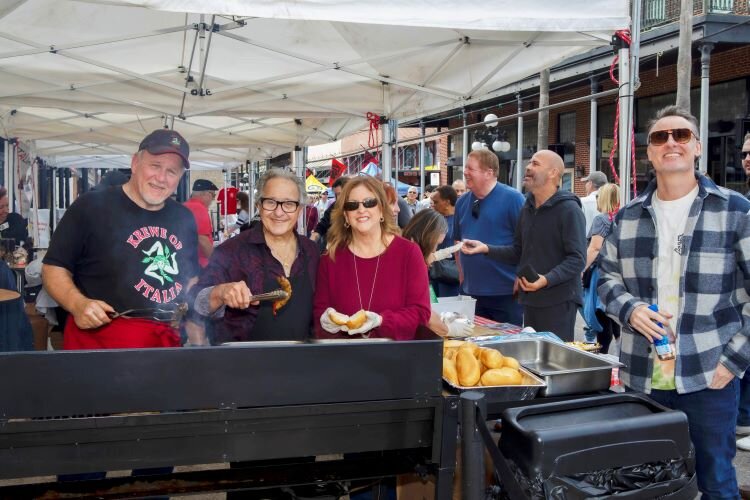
x=684 y=59
x=542 y=141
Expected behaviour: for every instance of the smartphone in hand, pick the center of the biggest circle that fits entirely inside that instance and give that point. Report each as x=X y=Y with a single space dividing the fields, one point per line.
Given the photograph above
x=529 y=273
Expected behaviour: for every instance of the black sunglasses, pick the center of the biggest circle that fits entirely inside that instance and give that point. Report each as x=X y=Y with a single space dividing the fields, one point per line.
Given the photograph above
x=475 y=208
x=351 y=206
x=660 y=137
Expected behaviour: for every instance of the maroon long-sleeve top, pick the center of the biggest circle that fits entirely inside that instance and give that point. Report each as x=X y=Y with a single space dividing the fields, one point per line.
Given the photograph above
x=400 y=293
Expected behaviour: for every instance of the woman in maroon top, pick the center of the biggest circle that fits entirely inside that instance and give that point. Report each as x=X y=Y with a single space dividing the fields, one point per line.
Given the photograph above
x=369 y=267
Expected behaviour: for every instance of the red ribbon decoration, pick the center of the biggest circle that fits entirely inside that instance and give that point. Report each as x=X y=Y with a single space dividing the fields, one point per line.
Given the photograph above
x=625 y=36
x=373 y=139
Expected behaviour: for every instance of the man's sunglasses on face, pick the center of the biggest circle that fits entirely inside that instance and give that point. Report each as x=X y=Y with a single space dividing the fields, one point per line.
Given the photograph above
x=351 y=206
x=660 y=137
x=475 y=208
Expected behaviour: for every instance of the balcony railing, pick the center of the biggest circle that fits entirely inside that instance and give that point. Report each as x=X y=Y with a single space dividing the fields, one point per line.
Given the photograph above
x=654 y=13
x=720 y=6
x=659 y=12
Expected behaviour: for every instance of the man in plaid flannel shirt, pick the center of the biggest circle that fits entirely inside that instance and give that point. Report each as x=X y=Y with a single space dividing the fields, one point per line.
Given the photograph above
x=684 y=244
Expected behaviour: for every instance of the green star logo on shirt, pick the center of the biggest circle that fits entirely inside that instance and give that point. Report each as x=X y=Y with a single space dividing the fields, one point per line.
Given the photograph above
x=161 y=263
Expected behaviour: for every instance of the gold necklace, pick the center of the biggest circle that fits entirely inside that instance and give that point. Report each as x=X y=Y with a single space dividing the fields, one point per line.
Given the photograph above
x=285 y=261
x=372 y=291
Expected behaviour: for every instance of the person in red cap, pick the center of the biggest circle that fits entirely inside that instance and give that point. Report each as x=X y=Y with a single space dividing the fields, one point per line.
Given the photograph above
x=203 y=194
x=126 y=248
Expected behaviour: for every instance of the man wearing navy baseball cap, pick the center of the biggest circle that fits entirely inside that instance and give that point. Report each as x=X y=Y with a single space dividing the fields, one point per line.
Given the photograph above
x=126 y=247
x=163 y=141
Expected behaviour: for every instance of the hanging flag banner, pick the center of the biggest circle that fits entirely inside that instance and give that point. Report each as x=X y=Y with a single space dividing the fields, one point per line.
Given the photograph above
x=337 y=170
x=313 y=185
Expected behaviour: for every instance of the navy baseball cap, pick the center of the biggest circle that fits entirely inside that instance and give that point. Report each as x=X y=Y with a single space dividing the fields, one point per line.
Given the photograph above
x=164 y=141
x=204 y=185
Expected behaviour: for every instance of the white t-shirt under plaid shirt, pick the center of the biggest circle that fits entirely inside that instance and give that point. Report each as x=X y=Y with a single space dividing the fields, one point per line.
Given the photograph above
x=671 y=217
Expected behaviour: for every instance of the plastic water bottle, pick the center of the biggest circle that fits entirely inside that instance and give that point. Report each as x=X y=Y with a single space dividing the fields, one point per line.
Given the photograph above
x=665 y=349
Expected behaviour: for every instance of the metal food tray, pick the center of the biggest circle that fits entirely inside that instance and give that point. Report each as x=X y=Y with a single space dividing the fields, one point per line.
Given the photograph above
x=564 y=369
x=502 y=393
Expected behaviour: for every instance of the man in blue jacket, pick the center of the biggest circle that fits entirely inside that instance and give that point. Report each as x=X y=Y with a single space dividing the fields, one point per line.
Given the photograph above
x=549 y=247
x=684 y=244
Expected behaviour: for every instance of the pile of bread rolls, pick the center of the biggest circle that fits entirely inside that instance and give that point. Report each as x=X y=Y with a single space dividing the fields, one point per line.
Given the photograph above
x=465 y=364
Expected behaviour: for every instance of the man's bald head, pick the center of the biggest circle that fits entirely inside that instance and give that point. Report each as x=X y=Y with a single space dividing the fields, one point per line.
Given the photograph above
x=553 y=161
x=544 y=171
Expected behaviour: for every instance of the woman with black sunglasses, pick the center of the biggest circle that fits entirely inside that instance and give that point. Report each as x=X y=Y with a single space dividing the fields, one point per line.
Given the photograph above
x=266 y=257
x=371 y=281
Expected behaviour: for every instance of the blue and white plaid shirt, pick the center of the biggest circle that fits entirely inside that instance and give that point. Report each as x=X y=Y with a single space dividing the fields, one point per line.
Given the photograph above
x=713 y=324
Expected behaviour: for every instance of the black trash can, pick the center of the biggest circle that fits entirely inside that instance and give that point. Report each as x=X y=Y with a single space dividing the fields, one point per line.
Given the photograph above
x=621 y=444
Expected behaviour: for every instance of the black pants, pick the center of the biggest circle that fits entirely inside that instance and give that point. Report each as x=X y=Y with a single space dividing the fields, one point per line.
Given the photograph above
x=610 y=330
x=559 y=319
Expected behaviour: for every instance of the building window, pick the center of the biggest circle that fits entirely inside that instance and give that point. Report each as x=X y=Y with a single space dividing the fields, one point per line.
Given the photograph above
x=566 y=129
x=566 y=137
x=530 y=136
x=410 y=155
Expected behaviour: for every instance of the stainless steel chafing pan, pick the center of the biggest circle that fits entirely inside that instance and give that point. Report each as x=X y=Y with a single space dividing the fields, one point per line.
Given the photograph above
x=564 y=369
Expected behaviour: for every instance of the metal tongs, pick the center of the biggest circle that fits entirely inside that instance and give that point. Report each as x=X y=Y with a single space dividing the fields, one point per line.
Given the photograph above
x=273 y=295
x=173 y=316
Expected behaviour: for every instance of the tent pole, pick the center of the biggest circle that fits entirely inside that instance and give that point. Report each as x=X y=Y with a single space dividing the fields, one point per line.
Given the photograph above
x=53 y=211
x=201 y=91
x=705 y=49
x=387 y=154
x=254 y=166
x=519 y=145
x=299 y=171
x=593 y=126
x=35 y=199
x=625 y=96
x=226 y=208
x=465 y=152
x=422 y=151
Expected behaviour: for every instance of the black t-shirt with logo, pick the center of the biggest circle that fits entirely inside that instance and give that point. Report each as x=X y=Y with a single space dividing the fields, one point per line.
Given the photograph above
x=129 y=257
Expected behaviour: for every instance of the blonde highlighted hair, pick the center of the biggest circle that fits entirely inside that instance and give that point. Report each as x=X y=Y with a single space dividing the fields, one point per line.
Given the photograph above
x=338 y=234
x=608 y=198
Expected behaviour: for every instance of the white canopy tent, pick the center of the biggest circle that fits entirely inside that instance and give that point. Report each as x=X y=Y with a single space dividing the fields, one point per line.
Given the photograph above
x=88 y=78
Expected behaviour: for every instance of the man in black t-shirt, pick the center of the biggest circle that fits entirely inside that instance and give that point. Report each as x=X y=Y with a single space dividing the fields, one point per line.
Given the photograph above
x=126 y=247
x=12 y=225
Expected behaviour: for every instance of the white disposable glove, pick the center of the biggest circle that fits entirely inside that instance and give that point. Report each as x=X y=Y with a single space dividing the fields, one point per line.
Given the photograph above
x=458 y=324
x=460 y=329
x=327 y=324
x=374 y=320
